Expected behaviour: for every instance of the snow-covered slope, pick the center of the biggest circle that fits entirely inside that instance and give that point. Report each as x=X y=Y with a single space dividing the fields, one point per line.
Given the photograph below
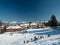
x=15 y=38
x=39 y=29
x=18 y=39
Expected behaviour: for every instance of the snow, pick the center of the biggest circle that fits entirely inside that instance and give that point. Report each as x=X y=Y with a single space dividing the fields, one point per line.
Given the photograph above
x=14 y=27
x=33 y=23
x=19 y=38
x=39 y=29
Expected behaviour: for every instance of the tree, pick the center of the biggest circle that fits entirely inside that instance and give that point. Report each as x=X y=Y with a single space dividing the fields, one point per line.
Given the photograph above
x=0 y=22
x=53 y=21
x=4 y=29
x=30 y=24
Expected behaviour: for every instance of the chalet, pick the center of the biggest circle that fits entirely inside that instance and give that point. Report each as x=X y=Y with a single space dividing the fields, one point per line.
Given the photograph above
x=33 y=25
x=13 y=28
x=24 y=25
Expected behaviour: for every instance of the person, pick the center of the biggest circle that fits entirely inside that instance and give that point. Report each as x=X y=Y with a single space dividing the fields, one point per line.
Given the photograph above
x=31 y=39
x=48 y=35
x=27 y=41
x=35 y=38
x=24 y=41
x=41 y=37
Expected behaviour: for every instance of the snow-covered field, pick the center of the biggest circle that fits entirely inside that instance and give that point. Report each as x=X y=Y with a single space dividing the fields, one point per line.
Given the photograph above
x=17 y=38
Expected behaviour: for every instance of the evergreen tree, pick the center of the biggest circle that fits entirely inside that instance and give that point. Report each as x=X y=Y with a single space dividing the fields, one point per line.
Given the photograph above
x=30 y=24
x=4 y=29
x=53 y=21
x=0 y=22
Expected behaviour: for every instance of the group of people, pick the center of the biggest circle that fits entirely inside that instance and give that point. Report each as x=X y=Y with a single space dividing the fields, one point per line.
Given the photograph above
x=36 y=38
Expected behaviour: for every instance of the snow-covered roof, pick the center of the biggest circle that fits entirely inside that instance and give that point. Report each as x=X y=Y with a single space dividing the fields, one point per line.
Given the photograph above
x=14 y=27
x=33 y=23
x=24 y=24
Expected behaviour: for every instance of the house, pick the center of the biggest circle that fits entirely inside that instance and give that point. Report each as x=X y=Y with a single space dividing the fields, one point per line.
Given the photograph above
x=37 y=25
x=14 y=28
x=24 y=25
x=33 y=25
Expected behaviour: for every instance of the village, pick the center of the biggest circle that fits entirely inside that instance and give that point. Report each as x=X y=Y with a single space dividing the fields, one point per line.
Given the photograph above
x=38 y=33
x=15 y=26
x=23 y=26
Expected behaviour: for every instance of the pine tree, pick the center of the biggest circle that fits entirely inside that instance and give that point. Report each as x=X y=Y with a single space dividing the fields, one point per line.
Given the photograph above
x=53 y=21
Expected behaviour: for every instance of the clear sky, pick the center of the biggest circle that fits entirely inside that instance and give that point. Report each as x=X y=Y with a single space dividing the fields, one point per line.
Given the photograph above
x=29 y=10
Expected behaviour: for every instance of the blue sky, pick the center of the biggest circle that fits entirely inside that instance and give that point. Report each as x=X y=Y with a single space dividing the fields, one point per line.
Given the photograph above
x=29 y=10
